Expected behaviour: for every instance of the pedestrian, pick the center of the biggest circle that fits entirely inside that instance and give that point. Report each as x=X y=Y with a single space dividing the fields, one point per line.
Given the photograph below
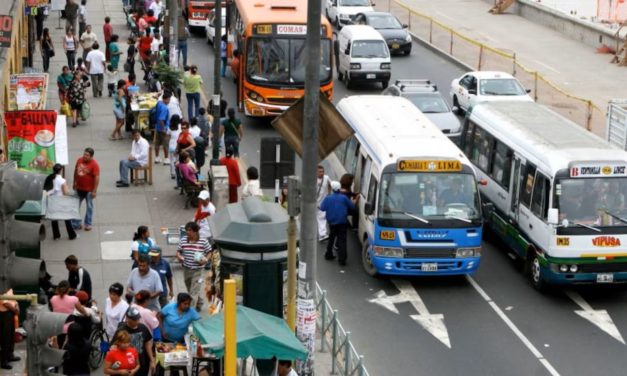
x=183 y=34
x=162 y=267
x=47 y=48
x=77 y=351
x=63 y=83
x=157 y=41
x=223 y=55
x=70 y=44
x=8 y=311
x=203 y=212
x=157 y=8
x=55 y=185
x=151 y=20
x=137 y=158
x=80 y=66
x=71 y=15
x=176 y=317
x=346 y=182
x=192 y=83
x=185 y=142
x=112 y=78
x=88 y=39
x=251 y=188
x=337 y=207
x=323 y=188
x=119 y=110
x=235 y=63
x=147 y=317
x=193 y=253
x=232 y=167
x=144 y=278
x=141 y=340
x=187 y=171
x=107 y=31
x=114 y=51
x=161 y=128
x=142 y=244
x=122 y=358
x=62 y=302
x=115 y=308
x=174 y=130
x=284 y=368
x=233 y=131
x=86 y=182
x=82 y=17
x=78 y=277
x=76 y=95
x=96 y=61
x=131 y=51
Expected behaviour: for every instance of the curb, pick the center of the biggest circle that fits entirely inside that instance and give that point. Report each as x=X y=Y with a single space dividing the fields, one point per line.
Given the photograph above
x=441 y=53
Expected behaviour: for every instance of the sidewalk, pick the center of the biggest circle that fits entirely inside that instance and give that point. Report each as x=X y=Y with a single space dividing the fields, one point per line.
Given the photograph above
x=570 y=65
x=104 y=251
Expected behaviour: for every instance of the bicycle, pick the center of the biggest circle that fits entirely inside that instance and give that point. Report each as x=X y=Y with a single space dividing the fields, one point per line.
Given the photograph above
x=99 y=345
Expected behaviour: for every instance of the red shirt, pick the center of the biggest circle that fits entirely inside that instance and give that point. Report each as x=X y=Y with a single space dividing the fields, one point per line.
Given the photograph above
x=107 y=30
x=85 y=174
x=126 y=359
x=152 y=20
x=232 y=167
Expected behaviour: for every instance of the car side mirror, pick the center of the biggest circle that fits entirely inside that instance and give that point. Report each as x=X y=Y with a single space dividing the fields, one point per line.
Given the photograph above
x=368 y=208
x=553 y=216
x=472 y=91
x=528 y=91
x=373 y=4
x=405 y=26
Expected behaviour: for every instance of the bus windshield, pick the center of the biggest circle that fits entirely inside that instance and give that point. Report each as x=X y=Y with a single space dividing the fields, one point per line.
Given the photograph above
x=598 y=201
x=283 y=60
x=429 y=196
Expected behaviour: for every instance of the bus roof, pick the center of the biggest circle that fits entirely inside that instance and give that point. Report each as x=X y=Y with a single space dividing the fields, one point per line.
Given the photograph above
x=275 y=11
x=392 y=127
x=544 y=136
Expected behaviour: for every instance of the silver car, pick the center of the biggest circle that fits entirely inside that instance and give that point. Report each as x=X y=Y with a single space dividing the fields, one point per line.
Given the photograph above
x=426 y=97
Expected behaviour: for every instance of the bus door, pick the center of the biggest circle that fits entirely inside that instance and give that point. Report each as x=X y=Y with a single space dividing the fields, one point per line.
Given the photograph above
x=362 y=190
x=518 y=164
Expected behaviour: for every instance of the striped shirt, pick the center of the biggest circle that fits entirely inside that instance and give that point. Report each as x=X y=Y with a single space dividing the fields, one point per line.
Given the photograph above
x=189 y=250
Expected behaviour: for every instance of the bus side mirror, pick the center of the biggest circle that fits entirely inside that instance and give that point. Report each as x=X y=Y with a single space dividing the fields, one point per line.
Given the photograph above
x=347 y=51
x=368 y=208
x=553 y=216
x=472 y=91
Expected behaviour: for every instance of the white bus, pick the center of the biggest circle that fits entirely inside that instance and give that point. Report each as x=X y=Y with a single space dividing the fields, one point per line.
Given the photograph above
x=419 y=209
x=558 y=192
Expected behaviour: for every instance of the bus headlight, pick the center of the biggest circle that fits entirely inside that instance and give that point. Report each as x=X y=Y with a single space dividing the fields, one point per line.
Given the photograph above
x=388 y=251
x=255 y=96
x=355 y=66
x=468 y=252
x=574 y=268
x=563 y=268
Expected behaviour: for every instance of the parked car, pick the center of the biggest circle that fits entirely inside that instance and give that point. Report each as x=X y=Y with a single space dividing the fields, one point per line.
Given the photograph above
x=429 y=101
x=391 y=29
x=210 y=29
x=342 y=12
x=486 y=86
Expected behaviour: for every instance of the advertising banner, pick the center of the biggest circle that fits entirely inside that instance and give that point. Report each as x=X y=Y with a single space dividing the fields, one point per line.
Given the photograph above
x=6 y=26
x=31 y=139
x=28 y=91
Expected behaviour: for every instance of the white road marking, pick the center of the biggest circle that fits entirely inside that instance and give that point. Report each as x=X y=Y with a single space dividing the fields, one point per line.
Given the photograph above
x=514 y=328
x=601 y=318
x=547 y=66
x=433 y=323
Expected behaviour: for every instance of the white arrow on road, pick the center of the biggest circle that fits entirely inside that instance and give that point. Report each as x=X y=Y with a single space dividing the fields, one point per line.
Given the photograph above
x=599 y=317
x=433 y=323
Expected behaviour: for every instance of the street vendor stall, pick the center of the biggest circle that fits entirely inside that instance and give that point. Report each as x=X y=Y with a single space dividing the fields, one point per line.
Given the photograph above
x=141 y=104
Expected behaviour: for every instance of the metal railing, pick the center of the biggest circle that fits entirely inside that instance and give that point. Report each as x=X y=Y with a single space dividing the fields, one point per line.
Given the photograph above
x=344 y=358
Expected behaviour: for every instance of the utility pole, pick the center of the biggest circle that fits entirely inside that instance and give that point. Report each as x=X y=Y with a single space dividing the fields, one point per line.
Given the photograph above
x=311 y=123
x=173 y=13
x=217 y=41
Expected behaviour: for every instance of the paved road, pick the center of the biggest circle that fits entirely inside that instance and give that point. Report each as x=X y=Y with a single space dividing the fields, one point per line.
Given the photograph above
x=496 y=323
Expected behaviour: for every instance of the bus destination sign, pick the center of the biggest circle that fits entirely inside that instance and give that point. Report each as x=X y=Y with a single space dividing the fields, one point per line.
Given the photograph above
x=596 y=170
x=429 y=165
x=291 y=29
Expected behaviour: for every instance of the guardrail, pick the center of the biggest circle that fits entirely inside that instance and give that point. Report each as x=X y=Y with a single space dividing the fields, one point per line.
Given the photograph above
x=344 y=357
x=481 y=56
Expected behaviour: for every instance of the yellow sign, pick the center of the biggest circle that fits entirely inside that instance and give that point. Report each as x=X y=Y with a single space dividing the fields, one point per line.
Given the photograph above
x=429 y=165
x=563 y=242
x=264 y=29
x=387 y=235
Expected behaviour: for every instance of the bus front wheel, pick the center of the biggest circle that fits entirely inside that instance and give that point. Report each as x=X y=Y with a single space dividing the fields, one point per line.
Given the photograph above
x=534 y=270
x=366 y=260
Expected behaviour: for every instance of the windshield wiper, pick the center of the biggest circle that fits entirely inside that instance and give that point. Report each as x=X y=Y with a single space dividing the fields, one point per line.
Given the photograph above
x=414 y=216
x=587 y=226
x=615 y=216
x=458 y=218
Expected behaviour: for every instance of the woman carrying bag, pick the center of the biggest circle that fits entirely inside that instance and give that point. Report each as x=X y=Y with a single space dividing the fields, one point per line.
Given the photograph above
x=47 y=48
x=56 y=185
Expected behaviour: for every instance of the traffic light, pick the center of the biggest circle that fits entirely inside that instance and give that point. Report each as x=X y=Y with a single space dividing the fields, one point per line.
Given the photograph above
x=40 y=325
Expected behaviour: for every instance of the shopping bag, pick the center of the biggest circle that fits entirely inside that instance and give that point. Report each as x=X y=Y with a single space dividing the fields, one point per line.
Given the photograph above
x=61 y=208
x=66 y=109
x=85 y=111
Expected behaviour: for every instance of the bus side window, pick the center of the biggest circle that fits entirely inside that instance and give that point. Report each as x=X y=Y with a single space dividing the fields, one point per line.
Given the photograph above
x=468 y=137
x=540 y=200
x=526 y=184
x=340 y=151
x=372 y=191
x=483 y=143
x=502 y=164
x=350 y=162
x=365 y=171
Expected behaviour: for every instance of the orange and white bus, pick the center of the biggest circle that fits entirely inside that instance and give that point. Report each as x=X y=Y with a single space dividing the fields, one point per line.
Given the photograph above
x=197 y=11
x=270 y=37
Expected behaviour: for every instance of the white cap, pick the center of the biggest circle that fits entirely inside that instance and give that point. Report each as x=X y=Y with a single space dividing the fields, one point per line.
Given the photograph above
x=204 y=195
x=335 y=185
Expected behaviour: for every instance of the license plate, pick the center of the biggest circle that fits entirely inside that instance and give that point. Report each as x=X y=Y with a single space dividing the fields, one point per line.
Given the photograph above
x=395 y=46
x=371 y=76
x=605 y=278
x=429 y=267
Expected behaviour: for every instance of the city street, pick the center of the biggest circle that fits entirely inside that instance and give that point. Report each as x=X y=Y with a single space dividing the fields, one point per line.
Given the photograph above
x=496 y=323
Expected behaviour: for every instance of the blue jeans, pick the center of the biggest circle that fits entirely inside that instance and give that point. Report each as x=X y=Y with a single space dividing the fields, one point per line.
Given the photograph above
x=193 y=100
x=89 y=212
x=125 y=166
x=183 y=50
x=223 y=66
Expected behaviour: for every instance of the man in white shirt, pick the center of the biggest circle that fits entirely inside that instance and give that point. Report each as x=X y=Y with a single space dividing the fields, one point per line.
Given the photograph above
x=204 y=211
x=96 y=64
x=323 y=188
x=88 y=38
x=157 y=8
x=137 y=158
x=157 y=41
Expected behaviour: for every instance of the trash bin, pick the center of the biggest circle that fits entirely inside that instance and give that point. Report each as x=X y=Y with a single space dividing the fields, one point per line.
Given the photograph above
x=252 y=236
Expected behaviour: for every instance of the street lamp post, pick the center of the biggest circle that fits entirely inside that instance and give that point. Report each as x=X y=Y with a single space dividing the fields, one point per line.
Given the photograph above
x=217 y=39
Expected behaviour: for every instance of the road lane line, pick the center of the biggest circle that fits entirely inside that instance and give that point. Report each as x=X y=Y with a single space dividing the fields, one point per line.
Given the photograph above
x=513 y=328
x=600 y=318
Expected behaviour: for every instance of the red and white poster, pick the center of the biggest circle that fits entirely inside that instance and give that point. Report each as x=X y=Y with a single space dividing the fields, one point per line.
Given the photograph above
x=31 y=139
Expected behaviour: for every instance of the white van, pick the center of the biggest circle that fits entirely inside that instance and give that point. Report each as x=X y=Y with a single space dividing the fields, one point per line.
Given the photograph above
x=362 y=56
x=342 y=12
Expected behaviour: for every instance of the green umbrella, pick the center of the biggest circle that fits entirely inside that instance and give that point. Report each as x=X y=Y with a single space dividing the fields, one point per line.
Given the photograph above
x=259 y=335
